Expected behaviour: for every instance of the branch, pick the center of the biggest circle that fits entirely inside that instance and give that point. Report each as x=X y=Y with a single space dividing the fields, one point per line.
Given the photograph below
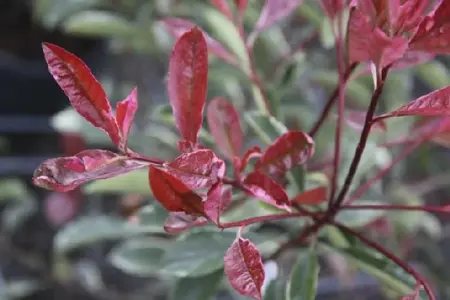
x=445 y=209
x=267 y=218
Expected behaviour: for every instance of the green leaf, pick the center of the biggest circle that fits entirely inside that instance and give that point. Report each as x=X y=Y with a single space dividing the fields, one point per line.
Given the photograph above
x=435 y=74
x=267 y=128
x=275 y=291
x=200 y=288
x=302 y=284
x=151 y=218
x=13 y=189
x=88 y=230
x=99 y=24
x=199 y=253
x=138 y=257
x=130 y=183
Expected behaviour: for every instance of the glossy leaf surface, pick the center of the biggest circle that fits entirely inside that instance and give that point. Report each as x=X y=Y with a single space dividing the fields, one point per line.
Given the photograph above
x=187 y=82
x=173 y=194
x=198 y=169
x=244 y=268
x=225 y=127
x=302 y=284
x=275 y=10
x=125 y=111
x=264 y=188
x=313 y=196
x=218 y=199
x=63 y=174
x=289 y=150
x=81 y=87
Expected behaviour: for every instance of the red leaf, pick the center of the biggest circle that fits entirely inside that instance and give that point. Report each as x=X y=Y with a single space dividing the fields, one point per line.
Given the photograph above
x=254 y=152
x=436 y=103
x=125 y=111
x=332 y=7
x=177 y=27
x=244 y=268
x=275 y=10
x=223 y=7
x=187 y=82
x=217 y=201
x=433 y=33
x=84 y=91
x=225 y=127
x=241 y=6
x=178 y=222
x=198 y=169
x=313 y=196
x=63 y=174
x=289 y=150
x=261 y=186
x=369 y=43
x=412 y=58
x=173 y=194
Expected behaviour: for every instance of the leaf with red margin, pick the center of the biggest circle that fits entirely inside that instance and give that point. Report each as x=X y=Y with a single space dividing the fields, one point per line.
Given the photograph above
x=287 y=151
x=81 y=87
x=313 y=196
x=264 y=188
x=241 y=6
x=198 y=169
x=125 y=111
x=433 y=33
x=177 y=27
x=64 y=174
x=178 y=222
x=225 y=127
x=436 y=103
x=223 y=7
x=254 y=152
x=217 y=201
x=275 y=10
x=415 y=295
x=244 y=268
x=187 y=82
x=173 y=194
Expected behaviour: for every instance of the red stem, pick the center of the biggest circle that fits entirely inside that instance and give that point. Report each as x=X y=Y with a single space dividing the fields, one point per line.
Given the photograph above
x=267 y=218
x=389 y=255
x=326 y=110
x=435 y=209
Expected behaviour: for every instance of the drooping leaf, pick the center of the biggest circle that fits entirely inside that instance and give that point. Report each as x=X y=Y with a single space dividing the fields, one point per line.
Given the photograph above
x=302 y=284
x=264 y=188
x=275 y=10
x=198 y=169
x=436 y=103
x=178 y=222
x=125 y=111
x=244 y=268
x=225 y=127
x=66 y=173
x=173 y=194
x=313 y=196
x=218 y=199
x=81 y=87
x=138 y=257
x=289 y=150
x=187 y=82
x=200 y=288
x=177 y=27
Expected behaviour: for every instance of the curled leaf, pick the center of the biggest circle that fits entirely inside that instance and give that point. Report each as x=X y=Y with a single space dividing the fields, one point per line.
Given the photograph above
x=178 y=222
x=198 y=169
x=218 y=199
x=177 y=27
x=125 y=111
x=263 y=187
x=173 y=194
x=63 y=174
x=289 y=150
x=81 y=87
x=225 y=127
x=254 y=152
x=244 y=268
x=313 y=196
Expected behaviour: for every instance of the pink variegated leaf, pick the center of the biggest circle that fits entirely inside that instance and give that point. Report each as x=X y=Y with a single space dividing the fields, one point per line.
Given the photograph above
x=198 y=169
x=125 y=111
x=433 y=33
x=264 y=188
x=66 y=173
x=254 y=152
x=332 y=7
x=223 y=7
x=289 y=150
x=412 y=58
x=85 y=93
x=173 y=194
x=225 y=127
x=217 y=201
x=187 y=82
x=244 y=268
x=178 y=222
x=275 y=10
x=436 y=103
x=177 y=27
